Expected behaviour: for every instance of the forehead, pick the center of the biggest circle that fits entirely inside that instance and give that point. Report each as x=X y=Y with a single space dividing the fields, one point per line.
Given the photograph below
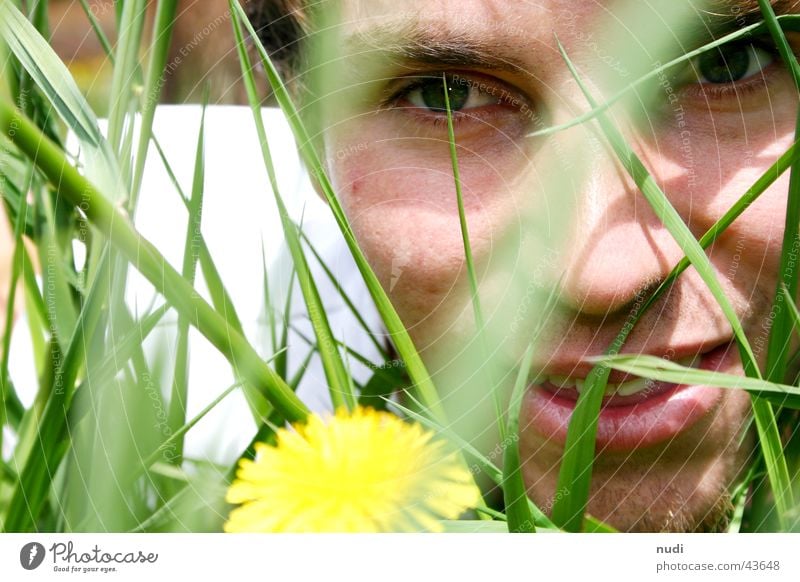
x=515 y=8
x=521 y=34
x=496 y=17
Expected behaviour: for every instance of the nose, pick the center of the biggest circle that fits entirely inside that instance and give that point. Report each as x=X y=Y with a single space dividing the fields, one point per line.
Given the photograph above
x=618 y=248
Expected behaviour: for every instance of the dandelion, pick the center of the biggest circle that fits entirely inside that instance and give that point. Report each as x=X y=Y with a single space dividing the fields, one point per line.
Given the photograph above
x=368 y=471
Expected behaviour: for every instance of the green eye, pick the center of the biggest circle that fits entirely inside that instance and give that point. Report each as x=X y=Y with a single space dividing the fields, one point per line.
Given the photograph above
x=731 y=63
x=432 y=94
x=429 y=94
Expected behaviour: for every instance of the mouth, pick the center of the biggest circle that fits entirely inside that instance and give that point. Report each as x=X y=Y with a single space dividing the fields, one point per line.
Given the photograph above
x=636 y=412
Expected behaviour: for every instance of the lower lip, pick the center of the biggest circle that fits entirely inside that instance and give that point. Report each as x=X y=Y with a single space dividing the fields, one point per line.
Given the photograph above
x=625 y=428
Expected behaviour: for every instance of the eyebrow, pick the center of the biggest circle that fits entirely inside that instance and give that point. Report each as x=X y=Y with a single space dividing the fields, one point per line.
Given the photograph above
x=412 y=42
x=408 y=42
x=731 y=15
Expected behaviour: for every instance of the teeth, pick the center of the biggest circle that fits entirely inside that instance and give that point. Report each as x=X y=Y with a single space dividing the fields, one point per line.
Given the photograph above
x=625 y=389
x=633 y=387
x=562 y=381
x=579 y=384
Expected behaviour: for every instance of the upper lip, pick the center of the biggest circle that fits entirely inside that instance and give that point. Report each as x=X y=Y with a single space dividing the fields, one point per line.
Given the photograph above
x=579 y=368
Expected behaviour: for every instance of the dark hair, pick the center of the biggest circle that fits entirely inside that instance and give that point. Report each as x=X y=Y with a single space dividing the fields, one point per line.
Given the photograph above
x=281 y=26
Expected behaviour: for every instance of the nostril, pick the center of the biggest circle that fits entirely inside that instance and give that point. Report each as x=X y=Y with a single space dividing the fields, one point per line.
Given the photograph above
x=605 y=292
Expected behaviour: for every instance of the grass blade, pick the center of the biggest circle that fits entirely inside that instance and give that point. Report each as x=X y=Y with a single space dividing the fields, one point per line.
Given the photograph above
x=423 y=385
x=55 y=82
x=111 y=222
x=788 y=21
x=335 y=371
x=668 y=371
x=346 y=298
x=125 y=66
x=180 y=377
x=575 y=473
x=515 y=494
x=154 y=81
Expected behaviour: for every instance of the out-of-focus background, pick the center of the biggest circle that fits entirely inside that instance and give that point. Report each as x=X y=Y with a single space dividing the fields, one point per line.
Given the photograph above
x=202 y=51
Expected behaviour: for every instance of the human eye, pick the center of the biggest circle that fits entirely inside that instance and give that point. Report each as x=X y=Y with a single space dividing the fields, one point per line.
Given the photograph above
x=464 y=94
x=733 y=70
x=474 y=99
x=732 y=63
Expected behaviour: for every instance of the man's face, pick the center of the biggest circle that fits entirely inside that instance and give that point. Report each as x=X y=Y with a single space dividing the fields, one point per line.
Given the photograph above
x=560 y=210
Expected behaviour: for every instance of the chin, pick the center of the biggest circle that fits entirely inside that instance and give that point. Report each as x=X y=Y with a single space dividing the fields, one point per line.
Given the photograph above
x=683 y=485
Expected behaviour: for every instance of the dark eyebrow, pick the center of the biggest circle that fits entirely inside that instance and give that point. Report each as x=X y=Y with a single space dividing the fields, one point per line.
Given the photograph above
x=413 y=43
x=410 y=42
x=729 y=16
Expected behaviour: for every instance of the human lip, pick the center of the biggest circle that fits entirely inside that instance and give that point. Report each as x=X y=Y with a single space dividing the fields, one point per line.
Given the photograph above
x=635 y=413
x=627 y=389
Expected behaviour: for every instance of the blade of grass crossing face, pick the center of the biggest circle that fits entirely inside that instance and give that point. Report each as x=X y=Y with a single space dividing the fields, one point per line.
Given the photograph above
x=672 y=372
x=470 y=262
x=462 y=216
x=781 y=329
x=576 y=477
x=788 y=21
x=423 y=384
x=333 y=365
x=515 y=494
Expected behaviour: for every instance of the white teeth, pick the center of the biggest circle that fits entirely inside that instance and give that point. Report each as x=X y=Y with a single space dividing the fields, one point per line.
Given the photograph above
x=624 y=389
x=633 y=387
x=562 y=381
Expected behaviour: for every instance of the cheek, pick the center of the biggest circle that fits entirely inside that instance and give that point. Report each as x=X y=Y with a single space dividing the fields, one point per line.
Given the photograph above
x=403 y=209
x=705 y=175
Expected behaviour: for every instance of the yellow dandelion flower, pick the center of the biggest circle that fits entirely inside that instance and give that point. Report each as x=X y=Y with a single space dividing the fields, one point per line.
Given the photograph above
x=368 y=471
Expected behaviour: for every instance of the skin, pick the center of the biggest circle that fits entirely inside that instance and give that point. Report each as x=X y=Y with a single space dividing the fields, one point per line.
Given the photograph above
x=534 y=216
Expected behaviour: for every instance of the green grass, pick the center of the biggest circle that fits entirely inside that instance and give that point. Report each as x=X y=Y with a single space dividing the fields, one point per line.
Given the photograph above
x=88 y=344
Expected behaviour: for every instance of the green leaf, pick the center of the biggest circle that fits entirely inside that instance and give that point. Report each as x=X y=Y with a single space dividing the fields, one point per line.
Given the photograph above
x=339 y=385
x=514 y=492
x=575 y=473
x=789 y=22
x=111 y=222
x=55 y=82
x=423 y=385
x=482 y=463
x=663 y=370
x=154 y=81
x=180 y=377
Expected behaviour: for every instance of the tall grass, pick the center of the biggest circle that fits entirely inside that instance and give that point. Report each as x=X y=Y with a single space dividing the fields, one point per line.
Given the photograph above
x=88 y=344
